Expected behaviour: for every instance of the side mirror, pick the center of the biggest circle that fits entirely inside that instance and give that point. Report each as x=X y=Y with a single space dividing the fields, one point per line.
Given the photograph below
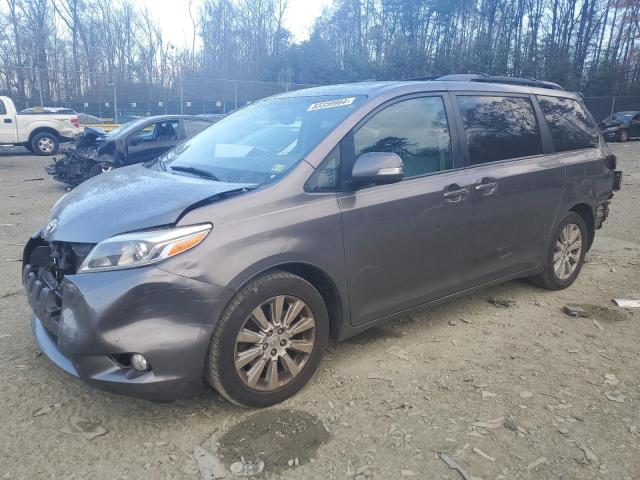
x=379 y=168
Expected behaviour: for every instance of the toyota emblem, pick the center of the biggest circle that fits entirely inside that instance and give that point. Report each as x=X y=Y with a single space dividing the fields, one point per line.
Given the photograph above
x=49 y=227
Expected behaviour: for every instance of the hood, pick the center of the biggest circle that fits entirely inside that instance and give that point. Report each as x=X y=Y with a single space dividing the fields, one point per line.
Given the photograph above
x=95 y=131
x=127 y=199
x=610 y=123
x=90 y=137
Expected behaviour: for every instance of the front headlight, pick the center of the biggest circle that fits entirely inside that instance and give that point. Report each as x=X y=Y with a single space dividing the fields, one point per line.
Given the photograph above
x=143 y=248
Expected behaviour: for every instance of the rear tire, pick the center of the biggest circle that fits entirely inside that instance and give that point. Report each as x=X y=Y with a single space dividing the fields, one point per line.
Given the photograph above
x=45 y=143
x=624 y=135
x=28 y=147
x=564 y=261
x=283 y=361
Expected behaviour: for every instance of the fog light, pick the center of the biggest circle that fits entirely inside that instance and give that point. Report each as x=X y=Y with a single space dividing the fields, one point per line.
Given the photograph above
x=139 y=362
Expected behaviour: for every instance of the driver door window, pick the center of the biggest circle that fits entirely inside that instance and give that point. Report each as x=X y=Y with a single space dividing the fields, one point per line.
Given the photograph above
x=635 y=125
x=152 y=141
x=415 y=129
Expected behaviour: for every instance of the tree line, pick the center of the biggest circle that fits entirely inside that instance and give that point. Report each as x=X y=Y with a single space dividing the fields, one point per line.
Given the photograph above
x=71 y=48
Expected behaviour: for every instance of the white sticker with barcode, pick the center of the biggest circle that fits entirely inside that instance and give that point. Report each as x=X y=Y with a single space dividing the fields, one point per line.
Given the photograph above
x=338 y=102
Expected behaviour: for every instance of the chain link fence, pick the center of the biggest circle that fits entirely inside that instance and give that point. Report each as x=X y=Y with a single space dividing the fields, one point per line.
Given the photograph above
x=117 y=96
x=602 y=107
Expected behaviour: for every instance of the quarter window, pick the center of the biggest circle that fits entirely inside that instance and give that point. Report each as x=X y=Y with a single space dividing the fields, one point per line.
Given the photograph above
x=499 y=128
x=326 y=178
x=415 y=129
x=3 y=109
x=571 y=126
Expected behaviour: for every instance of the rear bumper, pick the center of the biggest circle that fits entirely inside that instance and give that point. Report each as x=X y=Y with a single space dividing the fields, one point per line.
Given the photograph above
x=617 y=180
x=102 y=316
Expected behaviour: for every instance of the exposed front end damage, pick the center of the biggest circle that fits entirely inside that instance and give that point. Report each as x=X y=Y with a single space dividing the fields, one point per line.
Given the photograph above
x=80 y=161
x=89 y=325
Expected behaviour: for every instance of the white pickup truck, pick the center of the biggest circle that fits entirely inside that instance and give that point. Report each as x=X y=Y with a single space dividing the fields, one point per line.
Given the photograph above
x=40 y=133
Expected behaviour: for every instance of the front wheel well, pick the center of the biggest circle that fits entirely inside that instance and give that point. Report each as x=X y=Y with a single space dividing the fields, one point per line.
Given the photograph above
x=321 y=281
x=586 y=212
x=43 y=130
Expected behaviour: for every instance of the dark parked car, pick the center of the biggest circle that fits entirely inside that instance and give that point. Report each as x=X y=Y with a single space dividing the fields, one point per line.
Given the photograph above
x=97 y=151
x=621 y=126
x=311 y=215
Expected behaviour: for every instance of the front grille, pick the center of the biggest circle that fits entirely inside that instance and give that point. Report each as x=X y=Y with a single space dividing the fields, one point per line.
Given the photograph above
x=45 y=266
x=67 y=257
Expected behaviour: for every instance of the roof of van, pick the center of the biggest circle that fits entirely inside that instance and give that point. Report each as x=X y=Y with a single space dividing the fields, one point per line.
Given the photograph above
x=375 y=88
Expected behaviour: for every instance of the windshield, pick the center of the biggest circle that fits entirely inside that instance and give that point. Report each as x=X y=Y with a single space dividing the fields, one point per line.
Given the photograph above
x=128 y=127
x=620 y=116
x=261 y=142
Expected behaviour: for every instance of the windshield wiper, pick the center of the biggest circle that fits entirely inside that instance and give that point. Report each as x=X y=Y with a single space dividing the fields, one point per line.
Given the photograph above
x=196 y=171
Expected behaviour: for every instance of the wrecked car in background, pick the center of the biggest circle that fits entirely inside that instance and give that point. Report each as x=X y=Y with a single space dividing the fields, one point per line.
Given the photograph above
x=97 y=151
x=621 y=126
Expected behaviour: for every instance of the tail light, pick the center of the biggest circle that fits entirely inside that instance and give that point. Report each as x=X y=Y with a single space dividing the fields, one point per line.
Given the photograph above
x=75 y=122
x=611 y=161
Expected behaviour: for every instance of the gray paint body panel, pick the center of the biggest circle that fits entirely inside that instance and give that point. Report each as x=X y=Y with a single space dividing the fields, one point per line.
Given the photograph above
x=386 y=250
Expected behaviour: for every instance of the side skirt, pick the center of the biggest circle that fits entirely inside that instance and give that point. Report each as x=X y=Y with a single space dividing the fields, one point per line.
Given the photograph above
x=349 y=330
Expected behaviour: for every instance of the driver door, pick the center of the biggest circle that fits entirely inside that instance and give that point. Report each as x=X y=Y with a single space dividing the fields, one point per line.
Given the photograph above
x=406 y=243
x=634 y=126
x=7 y=125
x=152 y=141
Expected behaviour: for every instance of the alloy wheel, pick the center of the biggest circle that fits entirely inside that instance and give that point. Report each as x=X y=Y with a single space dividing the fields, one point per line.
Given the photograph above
x=275 y=343
x=46 y=145
x=568 y=248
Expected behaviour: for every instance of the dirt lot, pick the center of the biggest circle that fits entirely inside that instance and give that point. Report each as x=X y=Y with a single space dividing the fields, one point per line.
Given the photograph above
x=516 y=392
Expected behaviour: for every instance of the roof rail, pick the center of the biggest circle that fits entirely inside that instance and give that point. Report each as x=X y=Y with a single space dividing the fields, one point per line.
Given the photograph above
x=483 y=77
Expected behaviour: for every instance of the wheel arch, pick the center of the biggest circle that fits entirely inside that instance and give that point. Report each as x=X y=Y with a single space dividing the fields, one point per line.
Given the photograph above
x=586 y=212
x=38 y=130
x=321 y=282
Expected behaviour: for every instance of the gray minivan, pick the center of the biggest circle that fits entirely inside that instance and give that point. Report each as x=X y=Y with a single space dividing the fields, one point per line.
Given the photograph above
x=315 y=214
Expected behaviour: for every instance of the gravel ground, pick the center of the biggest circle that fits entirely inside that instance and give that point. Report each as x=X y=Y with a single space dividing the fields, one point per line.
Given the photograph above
x=517 y=392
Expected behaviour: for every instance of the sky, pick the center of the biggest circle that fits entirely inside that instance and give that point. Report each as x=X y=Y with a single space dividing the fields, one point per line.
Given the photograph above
x=173 y=17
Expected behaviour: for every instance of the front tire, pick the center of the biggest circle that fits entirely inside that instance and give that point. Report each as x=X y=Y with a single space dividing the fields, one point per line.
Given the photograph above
x=98 y=169
x=269 y=340
x=566 y=254
x=624 y=135
x=45 y=144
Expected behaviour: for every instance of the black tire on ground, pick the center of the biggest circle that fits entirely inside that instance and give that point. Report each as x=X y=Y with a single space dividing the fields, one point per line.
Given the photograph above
x=623 y=136
x=28 y=147
x=95 y=170
x=549 y=279
x=45 y=143
x=221 y=373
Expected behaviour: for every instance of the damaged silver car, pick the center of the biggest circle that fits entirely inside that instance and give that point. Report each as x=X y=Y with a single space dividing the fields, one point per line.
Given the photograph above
x=97 y=151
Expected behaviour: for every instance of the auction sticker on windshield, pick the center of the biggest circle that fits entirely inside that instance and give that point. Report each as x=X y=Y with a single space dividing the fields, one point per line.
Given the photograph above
x=339 y=102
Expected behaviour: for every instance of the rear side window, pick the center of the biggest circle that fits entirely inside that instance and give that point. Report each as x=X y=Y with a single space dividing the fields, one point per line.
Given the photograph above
x=571 y=126
x=499 y=128
x=3 y=109
x=415 y=129
x=191 y=127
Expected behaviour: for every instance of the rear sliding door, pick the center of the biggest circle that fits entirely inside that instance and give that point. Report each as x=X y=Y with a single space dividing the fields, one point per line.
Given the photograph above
x=516 y=183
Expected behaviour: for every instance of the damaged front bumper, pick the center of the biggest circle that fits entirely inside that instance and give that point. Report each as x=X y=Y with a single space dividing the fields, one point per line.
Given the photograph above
x=73 y=168
x=89 y=325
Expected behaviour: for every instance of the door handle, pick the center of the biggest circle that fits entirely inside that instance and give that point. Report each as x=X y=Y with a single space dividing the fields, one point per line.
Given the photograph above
x=486 y=188
x=8 y=120
x=456 y=195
